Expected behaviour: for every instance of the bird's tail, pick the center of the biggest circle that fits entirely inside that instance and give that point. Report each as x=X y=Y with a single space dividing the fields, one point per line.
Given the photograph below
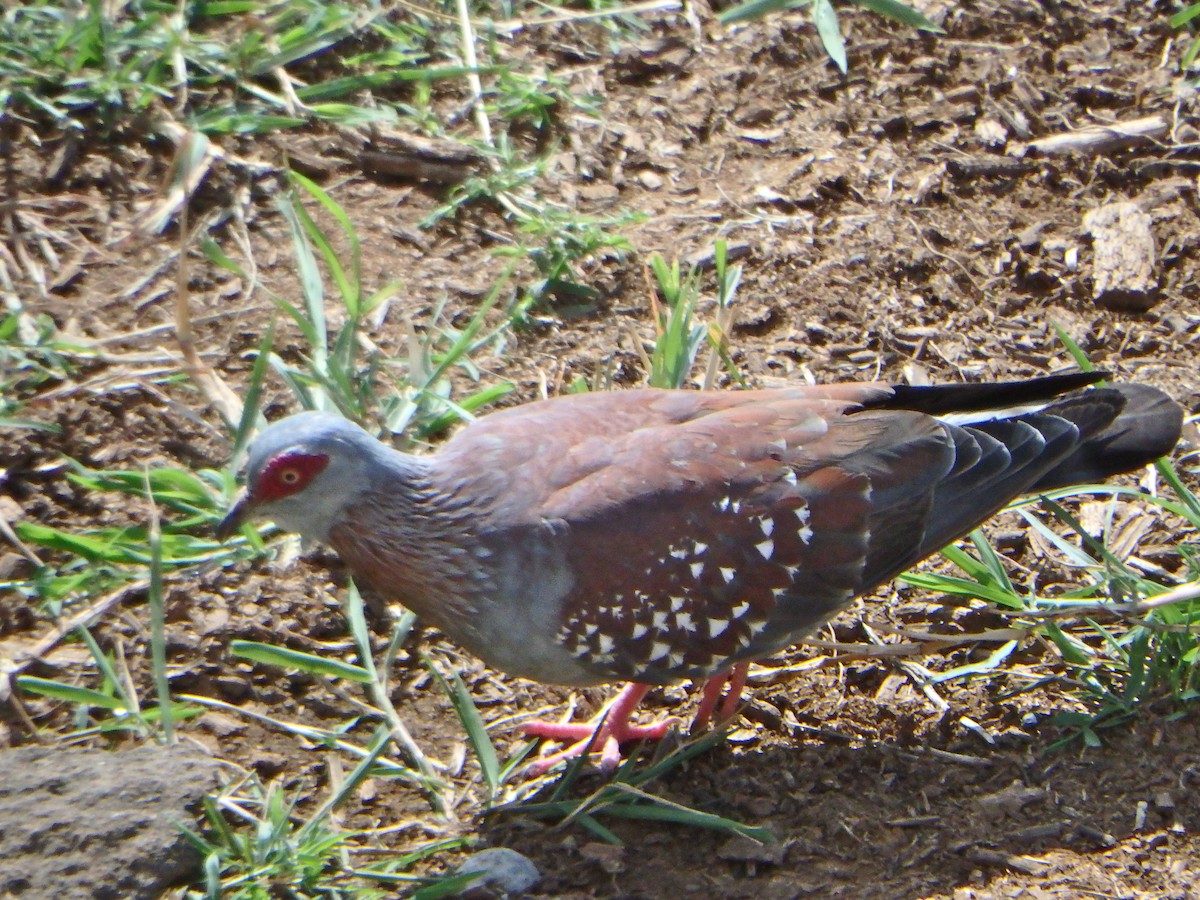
x=1146 y=427
x=1122 y=426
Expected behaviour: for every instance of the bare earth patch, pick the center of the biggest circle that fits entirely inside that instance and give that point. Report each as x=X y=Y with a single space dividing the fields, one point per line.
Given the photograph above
x=902 y=221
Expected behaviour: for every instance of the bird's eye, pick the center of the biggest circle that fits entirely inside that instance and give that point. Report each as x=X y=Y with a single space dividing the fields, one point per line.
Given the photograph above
x=289 y=474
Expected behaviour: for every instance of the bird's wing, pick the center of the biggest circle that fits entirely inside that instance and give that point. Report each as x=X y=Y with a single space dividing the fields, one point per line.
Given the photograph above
x=728 y=534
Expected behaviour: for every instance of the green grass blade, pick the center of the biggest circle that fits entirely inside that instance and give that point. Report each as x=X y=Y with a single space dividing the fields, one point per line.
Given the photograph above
x=158 y=638
x=472 y=722
x=961 y=587
x=902 y=13
x=70 y=693
x=295 y=659
x=252 y=402
x=757 y=9
x=826 y=21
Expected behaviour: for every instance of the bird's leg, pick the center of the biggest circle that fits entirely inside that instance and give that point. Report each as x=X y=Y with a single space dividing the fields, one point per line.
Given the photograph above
x=603 y=735
x=736 y=679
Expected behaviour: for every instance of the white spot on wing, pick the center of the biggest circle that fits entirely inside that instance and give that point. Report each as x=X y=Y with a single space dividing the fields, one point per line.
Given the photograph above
x=698 y=547
x=728 y=574
x=717 y=627
x=677 y=603
x=658 y=650
x=638 y=630
x=683 y=622
x=766 y=548
x=767 y=524
x=740 y=610
x=697 y=569
x=660 y=619
x=606 y=643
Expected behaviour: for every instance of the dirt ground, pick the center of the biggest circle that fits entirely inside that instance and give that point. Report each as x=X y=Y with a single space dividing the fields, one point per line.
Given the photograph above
x=892 y=223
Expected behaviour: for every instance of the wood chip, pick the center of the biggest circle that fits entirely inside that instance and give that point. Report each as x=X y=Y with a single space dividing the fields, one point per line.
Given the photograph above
x=1010 y=800
x=1024 y=864
x=1123 y=268
x=401 y=155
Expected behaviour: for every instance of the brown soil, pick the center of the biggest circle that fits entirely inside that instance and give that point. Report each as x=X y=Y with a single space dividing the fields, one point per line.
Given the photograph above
x=891 y=228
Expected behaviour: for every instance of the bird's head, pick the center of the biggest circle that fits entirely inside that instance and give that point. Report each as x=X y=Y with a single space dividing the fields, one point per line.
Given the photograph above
x=304 y=472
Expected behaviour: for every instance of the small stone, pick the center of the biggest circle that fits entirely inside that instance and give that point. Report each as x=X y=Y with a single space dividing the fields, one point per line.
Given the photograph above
x=220 y=724
x=649 y=179
x=1164 y=802
x=502 y=869
x=608 y=857
x=1010 y=800
x=599 y=190
x=742 y=849
x=990 y=133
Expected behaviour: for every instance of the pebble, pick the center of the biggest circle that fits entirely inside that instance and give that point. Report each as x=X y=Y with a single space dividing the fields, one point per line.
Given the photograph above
x=502 y=869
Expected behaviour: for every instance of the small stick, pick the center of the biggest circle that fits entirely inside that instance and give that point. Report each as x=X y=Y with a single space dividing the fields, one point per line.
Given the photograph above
x=1101 y=138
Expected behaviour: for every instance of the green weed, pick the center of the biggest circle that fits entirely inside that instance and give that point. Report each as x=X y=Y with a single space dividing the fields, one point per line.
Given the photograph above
x=825 y=19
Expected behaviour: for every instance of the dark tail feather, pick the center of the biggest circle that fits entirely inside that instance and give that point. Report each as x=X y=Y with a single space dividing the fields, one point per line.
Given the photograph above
x=940 y=399
x=1147 y=427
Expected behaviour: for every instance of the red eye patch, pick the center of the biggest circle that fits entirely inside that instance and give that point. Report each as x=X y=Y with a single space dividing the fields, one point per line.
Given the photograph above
x=288 y=474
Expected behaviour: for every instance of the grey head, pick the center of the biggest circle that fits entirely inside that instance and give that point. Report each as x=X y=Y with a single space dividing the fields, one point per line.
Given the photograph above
x=306 y=472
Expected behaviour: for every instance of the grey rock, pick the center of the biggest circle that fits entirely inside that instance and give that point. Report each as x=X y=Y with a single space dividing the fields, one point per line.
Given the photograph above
x=502 y=870
x=95 y=824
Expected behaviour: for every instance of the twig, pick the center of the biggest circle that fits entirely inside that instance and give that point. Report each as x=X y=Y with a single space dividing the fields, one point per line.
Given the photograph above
x=467 y=31
x=1101 y=138
x=512 y=26
x=1181 y=594
x=218 y=392
x=11 y=536
x=81 y=619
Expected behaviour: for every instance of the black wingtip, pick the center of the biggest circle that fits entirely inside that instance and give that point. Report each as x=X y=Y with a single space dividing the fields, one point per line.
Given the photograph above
x=942 y=399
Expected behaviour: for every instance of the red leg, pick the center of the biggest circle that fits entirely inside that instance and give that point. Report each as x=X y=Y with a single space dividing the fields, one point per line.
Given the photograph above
x=711 y=693
x=733 y=698
x=736 y=679
x=602 y=735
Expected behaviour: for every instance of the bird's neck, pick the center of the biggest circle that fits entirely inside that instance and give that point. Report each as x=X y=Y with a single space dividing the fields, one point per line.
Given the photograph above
x=409 y=541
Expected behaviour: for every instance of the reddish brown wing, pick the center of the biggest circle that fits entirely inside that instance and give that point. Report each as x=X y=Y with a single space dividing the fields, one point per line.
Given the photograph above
x=726 y=552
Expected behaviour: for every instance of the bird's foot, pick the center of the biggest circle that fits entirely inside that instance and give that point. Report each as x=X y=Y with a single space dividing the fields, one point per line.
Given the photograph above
x=602 y=735
x=605 y=734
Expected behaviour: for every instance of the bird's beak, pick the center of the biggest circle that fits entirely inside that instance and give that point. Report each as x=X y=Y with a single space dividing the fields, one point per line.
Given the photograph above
x=238 y=513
